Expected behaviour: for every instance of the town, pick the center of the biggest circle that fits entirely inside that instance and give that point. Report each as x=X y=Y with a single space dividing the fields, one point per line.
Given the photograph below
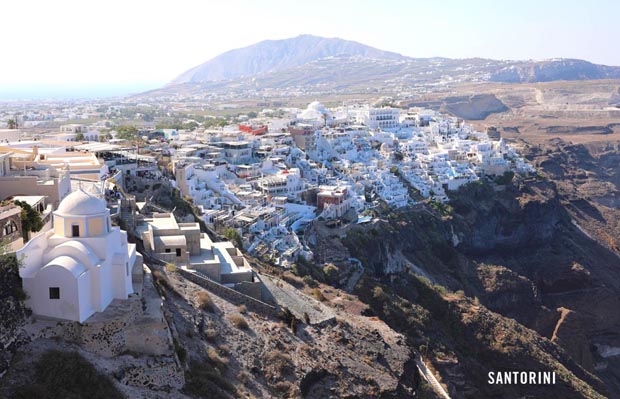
x=95 y=210
x=265 y=177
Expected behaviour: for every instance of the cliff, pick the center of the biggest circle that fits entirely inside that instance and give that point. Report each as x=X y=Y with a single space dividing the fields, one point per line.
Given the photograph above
x=499 y=255
x=12 y=311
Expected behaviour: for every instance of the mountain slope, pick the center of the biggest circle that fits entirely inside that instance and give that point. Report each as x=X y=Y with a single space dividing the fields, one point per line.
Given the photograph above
x=551 y=70
x=275 y=55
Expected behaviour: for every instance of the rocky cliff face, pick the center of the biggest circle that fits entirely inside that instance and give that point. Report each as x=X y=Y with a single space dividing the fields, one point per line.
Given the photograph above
x=517 y=249
x=546 y=71
x=503 y=218
x=12 y=311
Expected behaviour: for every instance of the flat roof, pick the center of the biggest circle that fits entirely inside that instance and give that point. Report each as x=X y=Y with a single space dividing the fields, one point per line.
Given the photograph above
x=162 y=222
x=178 y=240
x=29 y=199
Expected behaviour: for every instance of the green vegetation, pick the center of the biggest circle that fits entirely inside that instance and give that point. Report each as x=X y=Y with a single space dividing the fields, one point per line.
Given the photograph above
x=31 y=219
x=505 y=179
x=67 y=375
x=233 y=235
x=310 y=282
x=441 y=207
x=318 y=294
x=127 y=132
x=331 y=272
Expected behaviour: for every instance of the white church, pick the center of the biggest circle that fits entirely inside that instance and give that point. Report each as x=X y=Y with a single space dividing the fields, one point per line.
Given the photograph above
x=81 y=264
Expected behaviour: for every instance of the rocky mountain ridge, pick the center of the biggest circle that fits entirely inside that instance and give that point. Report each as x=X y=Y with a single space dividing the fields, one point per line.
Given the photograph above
x=311 y=62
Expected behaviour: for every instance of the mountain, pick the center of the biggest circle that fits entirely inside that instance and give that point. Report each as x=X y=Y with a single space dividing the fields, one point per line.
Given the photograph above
x=277 y=55
x=312 y=65
x=551 y=70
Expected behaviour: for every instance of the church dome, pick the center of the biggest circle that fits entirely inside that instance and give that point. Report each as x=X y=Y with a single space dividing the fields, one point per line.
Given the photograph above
x=81 y=203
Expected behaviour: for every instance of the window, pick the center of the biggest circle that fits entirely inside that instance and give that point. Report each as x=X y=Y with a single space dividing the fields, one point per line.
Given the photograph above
x=9 y=228
x=54 y=292
x=127 y=267
x=75 y=230
x=167 y=250
x=178 y=251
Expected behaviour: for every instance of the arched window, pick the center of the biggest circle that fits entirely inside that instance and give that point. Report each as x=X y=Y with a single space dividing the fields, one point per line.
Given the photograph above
x=10 y=227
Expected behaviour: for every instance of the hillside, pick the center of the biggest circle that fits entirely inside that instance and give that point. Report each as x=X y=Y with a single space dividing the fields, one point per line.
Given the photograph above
x=318 y=65
x=277 y=55
x=521 y=271
x=552 y=70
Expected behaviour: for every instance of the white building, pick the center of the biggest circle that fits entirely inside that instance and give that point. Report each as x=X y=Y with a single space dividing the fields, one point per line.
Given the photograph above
x=383 y=118
x=81 y=265
x=377 y=118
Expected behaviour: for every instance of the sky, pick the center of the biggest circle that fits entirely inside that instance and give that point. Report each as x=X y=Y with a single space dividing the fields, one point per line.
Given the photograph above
x=113 y=46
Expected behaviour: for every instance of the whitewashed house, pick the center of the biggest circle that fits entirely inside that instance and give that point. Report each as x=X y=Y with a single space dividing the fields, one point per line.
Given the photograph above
x=80 y=265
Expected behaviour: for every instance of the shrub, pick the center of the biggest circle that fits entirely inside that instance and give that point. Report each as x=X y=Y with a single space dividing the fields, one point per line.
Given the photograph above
x=318 y=294
x=204 y=301
x=331 y=272
x=211 y=335
x=205 y=381
x=171 y=267
x=238 y=321
x=310 y=282
x=233 y=235
x=280 y=361
x=218 y=361
x=67 y=375
x=244 y=376
x=378 y=293
x=160 y=280
x=242 y=309
x=285 y=315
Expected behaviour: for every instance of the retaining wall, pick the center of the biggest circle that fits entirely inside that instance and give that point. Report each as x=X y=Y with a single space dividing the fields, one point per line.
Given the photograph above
x=229 y=294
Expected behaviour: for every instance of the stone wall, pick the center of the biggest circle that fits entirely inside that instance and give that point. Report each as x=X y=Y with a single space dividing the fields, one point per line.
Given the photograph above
x=229 y=294
x=252 y=289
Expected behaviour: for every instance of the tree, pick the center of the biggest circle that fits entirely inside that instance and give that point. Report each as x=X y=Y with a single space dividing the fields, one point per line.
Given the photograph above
x=233 y=235
x=12 y=124
x=331 y=272
x=31 y=220
x=252 y=114
x=127 y=132
x=79 y=137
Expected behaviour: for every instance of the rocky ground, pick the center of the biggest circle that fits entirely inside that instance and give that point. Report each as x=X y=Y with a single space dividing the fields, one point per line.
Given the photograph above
x=262 y=356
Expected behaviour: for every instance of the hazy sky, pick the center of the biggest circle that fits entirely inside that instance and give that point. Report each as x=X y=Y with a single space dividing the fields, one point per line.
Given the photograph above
x=142 y=43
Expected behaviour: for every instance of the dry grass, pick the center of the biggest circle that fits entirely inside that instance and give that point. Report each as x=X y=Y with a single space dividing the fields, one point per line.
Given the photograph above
x=318 y=294
x=280 y=361
x=211 y=335
x=239 y=321
x=244 y=377
x=242 y=309
x=219 y=361
x=204 y=301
